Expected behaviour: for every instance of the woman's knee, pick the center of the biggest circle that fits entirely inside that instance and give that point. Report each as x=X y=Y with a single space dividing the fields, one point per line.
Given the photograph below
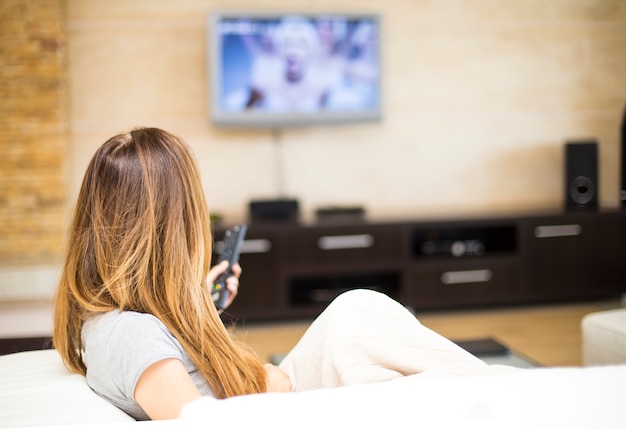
x=360 y=298
x=369 y=301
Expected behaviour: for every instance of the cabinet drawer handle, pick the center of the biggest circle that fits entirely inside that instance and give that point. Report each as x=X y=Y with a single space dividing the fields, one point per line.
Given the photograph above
x=334 y=242
x=260 y=245
x=470 y=276
x=550 y=231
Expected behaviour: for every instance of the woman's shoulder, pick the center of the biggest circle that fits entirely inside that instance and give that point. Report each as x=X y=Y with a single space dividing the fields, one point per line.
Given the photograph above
x=125 y=316
x=122 y=319
x=116 y=324
x=126 y=339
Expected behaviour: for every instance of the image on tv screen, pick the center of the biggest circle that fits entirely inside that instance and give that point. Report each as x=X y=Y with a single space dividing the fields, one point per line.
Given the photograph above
x=297 y=64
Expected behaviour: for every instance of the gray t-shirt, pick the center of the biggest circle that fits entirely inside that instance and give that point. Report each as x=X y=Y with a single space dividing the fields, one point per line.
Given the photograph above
x=120 y=346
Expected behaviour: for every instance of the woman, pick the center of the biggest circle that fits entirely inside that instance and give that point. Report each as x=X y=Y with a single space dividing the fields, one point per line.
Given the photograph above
x=134 y=314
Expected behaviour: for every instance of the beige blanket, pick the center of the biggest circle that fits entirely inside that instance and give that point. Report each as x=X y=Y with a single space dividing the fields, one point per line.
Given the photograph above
x=364 y=336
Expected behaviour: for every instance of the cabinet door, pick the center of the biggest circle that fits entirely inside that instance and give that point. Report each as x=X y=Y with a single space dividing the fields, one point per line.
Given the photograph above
x=344 y=246
x=464 y=282
x=572 y=256
x=259 y=289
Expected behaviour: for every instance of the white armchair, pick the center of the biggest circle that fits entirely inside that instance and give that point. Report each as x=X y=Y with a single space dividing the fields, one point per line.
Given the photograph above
x=604 y=337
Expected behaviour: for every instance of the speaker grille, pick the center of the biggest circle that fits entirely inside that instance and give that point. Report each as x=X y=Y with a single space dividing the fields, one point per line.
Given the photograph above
x=581 y=174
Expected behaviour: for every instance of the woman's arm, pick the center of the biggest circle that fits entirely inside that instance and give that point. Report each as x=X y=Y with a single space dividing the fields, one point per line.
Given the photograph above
x=164 y=388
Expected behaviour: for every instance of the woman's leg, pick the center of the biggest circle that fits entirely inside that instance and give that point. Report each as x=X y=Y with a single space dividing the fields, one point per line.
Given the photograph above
x=364 y=336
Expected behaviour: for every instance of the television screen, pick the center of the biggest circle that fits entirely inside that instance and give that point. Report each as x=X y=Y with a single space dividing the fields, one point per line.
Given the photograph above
x=285 y=70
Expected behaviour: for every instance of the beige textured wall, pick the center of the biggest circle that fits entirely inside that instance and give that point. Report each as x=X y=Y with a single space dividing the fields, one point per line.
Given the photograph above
x=480 y=96
x=33 y=131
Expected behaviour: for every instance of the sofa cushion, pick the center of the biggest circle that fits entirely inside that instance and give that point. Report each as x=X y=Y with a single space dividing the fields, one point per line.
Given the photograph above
x=550 y=398
x=36 y=389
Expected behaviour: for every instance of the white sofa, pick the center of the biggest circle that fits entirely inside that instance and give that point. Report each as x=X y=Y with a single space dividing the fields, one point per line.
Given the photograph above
x=36 y=390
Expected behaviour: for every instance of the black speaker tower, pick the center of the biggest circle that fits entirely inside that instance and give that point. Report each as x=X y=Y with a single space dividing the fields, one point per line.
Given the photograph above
x=581 y=175
x=622 y=192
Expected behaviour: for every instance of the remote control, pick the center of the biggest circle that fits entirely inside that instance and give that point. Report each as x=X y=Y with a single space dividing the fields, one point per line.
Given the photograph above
x=230 y=252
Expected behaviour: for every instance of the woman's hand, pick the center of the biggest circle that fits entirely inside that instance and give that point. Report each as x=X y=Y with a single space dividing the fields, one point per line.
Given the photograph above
x=232 y=282
x=277 y=379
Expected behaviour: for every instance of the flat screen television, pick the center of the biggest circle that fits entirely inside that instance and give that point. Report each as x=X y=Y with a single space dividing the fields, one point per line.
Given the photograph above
x=282 y=70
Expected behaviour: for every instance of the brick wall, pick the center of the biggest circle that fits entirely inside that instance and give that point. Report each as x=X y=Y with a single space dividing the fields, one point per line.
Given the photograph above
x=34 y=125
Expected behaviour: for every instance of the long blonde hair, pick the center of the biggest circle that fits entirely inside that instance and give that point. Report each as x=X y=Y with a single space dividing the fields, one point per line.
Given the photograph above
x=140 y=240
